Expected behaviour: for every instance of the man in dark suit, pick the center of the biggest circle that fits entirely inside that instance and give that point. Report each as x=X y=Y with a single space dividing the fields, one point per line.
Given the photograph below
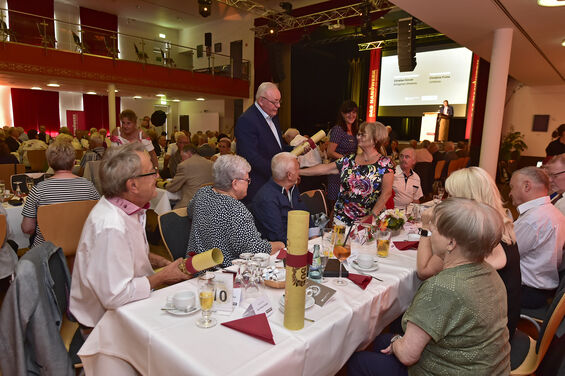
x=258 y=135
x=13 y=142
x=445 y=114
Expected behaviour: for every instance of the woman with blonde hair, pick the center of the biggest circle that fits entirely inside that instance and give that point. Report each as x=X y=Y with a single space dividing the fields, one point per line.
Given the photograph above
x=365 y=178
x=475 y=183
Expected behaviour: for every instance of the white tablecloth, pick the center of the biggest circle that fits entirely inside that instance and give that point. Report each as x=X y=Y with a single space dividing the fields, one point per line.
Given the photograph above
x=14 y=218
x=162 y=202
x=157 y=343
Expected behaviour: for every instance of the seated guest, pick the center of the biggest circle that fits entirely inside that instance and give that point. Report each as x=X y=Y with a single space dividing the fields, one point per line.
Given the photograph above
x=406 y=185
x=63 y=186
x=434 y=151
x=449 y=153
x=462 y=150
x=224 y=147
x=540 y=234
x=161 y=148
x=42 y=135
x=12 y=139
x=192 y=173
x=174 y=159
x=476 y=184
x=276 y=197
x=220 y=220
x=392 y=150
x=456 y=323
x=95 y=153
x=5 y=156
x=23 y=136
x=113 y=265
x=422 y=154
x=556 y=171
x=33 y=143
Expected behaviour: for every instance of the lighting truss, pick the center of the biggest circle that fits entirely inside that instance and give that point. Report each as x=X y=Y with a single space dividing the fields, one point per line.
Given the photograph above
x=370 y=45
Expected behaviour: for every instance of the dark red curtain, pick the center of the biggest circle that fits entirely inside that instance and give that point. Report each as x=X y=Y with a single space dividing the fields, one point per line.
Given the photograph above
x=96 y=111
x=98 y=41
x=27 y=28
x=32 y=108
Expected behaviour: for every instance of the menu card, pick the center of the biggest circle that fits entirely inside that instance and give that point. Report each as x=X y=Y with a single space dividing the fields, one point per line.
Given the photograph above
x=321 y=294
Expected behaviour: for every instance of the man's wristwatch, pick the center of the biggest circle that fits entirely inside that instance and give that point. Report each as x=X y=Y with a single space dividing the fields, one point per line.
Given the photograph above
x=426 y=233
x=392 y=340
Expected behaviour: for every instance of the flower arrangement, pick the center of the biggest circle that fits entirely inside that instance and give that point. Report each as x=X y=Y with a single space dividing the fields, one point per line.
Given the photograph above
x=391 y=219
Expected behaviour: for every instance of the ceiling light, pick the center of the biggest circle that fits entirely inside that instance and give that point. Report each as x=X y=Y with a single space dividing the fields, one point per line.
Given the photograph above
x=161 y=35
x=115 y=91
x=176 y=100
x=91 y=92
x=204 y=7
x=159 y=95
x=200 y=99
x=163 y=100
x=563 y=42
x=36 y=88
x=136 y=97
x=53 y=85
x=551 y=3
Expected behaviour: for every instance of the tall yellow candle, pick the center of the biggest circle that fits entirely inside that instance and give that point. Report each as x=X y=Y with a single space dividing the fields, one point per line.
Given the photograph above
x=297 y=271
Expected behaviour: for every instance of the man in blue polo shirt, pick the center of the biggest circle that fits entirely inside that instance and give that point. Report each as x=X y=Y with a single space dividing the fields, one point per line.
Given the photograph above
x=276 y=197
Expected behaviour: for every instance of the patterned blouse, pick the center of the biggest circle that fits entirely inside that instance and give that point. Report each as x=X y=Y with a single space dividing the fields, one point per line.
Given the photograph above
x=361 y=186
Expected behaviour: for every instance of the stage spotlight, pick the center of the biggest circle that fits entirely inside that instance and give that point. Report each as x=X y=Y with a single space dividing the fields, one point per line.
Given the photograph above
x=205 y=7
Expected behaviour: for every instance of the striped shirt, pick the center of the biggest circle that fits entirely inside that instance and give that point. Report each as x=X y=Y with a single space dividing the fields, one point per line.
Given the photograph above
x=55 y=191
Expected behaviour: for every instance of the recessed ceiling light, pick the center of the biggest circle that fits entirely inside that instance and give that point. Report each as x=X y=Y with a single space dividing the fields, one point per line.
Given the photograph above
x=163 y=101
x=161 y=35
x=563 y=42
x=91 y=92
x=53 y=85
x=159 y=95
x=200 y=99
x=115 y=91
x=36 y=88
x=136 y=97
x=176 y=100
x=551 y=3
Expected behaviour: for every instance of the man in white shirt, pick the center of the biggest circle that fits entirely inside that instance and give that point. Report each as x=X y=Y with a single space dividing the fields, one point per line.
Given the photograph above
x=540 y=235
x=556 y=171
x=406 y=185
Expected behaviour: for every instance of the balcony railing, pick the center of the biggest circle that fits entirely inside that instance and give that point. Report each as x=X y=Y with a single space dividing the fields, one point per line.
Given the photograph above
x=88 y=40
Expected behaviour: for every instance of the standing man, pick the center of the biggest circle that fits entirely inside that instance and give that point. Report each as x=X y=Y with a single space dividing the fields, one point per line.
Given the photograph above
x=258 y=135
x=445 y=115
x=407 y=187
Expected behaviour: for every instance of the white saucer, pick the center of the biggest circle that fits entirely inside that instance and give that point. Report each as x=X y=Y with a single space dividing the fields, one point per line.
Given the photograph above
x=308 y=303
x=371 y=269
x=178 y=312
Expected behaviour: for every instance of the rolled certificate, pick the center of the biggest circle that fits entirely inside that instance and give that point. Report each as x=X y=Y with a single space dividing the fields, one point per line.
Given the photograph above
x=202 y=261
x=296 y=269
x=311 y=141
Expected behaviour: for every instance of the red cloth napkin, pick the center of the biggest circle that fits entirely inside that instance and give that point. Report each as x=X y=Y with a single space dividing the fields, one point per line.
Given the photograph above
x=256 y=326
x=282 y=254
x=360 y=280
x=407 y=245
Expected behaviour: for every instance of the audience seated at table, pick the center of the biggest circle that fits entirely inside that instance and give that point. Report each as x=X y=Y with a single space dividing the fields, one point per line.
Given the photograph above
x=113 y=265
x=193 y=172
x=220 y=220
x=476 y=184
x=12 y=140
x=422 y=154
x=173 y=158
x=366 y=178
x=33 y=143
x=540 y=234
x=63 y=186
x=407 y=187
x=456 y=323
x=6 y=157
x=276 y=197
x=556 y=172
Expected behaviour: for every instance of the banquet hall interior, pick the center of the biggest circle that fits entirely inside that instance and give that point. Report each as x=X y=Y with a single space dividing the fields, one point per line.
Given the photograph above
x=196 y=66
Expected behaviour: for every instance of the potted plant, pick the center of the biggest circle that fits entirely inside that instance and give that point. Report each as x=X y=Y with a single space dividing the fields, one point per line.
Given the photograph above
x=512 y=146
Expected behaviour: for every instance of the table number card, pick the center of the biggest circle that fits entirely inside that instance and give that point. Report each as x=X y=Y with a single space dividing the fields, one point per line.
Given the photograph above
x=223 y=299
x=261 y=304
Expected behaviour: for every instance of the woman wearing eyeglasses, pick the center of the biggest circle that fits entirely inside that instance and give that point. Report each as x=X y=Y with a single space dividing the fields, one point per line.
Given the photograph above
x=219 y=218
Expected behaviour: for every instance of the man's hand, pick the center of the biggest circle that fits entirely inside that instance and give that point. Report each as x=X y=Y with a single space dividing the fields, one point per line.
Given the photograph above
x=168 y=275
x=157 y=261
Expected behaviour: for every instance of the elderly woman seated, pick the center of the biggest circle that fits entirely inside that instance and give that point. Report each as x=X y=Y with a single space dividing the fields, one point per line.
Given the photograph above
x=456 y=324
x=220 y=220
x=63 y=186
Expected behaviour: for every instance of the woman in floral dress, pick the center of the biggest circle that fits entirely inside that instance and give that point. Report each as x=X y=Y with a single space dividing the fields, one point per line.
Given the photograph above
x=365 y=179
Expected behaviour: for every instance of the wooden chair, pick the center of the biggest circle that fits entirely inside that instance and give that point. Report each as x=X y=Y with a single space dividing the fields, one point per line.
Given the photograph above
x=175 y=230
x=37 y=160
x=167 y=60
x=315 y=201
x=5 y=32
x=455 y=165
x=112 y=49
x=439 y=169
x=61 y=224
x=141 y=55
x=79 y=44
x=92 y=173
x=7 y=170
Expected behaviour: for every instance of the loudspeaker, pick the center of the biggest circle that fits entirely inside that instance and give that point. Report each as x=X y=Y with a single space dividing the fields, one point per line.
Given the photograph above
x=236 y=54
x=406 y=45
x=184 y=121
x=158 y=118
x=208 y=39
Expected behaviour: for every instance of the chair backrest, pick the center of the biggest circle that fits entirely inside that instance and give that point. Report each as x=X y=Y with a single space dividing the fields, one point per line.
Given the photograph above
x=315 y=201
x=136 y=49
x=76 y=39
x=24 y=178
x=61 y=224
x=439 y=169
x=175 y=230
x=92 y=173
x=455 y=165
x=553 y=319
x=3 y=228
x=37 y=160
x=7 y=170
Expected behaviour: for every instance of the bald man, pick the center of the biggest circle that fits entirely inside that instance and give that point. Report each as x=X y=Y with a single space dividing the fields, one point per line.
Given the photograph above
x=407 y=187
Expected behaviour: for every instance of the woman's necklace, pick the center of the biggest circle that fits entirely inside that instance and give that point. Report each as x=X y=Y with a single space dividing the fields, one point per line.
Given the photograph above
x=368 y=157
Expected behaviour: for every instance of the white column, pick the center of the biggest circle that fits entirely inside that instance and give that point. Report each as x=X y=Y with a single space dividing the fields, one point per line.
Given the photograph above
x=111 y=107
x=494 y=111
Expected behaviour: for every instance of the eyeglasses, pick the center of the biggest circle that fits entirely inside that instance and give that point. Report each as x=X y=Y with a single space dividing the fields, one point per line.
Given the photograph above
x=274 y=103
x=248 y=180
x=154 y=172
x=556 y=174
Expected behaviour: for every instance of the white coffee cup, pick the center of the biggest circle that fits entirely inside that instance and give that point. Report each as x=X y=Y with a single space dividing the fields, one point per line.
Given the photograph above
x=365 y=260
x=184 y=300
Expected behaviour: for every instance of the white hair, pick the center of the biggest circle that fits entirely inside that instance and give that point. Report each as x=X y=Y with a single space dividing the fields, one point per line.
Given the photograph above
x=227 y=168
x=263 y=88
x=281 y=164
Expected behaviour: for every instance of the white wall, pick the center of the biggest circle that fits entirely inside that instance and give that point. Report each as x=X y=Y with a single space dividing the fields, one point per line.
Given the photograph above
x=70 y=17
x=527 y=101
x=69 y=101
x=6 y=116
x=223 y=107
x=133 y=29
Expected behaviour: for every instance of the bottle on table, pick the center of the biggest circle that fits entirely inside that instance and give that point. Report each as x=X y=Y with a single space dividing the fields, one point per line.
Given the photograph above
x=315 y=272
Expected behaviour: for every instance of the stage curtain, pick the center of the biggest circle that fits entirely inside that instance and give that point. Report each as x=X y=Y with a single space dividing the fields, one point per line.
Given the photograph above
x=32 y=108
x=96 y=40
x=96 y=111
x=27 y=27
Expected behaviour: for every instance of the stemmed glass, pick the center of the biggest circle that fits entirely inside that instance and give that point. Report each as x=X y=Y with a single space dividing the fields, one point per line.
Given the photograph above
x=29 y=184
x=341 y=251
x=2 y=188
x=324 y=256
x=206 y=290
x=18 y=192
x=238 y=280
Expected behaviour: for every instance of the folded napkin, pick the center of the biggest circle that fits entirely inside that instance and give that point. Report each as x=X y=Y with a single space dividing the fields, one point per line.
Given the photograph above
x=402 y=246
x=282 y=254
x=256 y=326
x=360 y=280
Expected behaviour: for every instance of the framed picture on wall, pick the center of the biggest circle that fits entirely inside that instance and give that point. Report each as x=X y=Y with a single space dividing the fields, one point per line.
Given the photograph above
x=217 y=47
x=541 y=123
x=200 y=50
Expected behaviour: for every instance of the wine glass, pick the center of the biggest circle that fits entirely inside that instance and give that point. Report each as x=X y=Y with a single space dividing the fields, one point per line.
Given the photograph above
x=206 y=290
x=341 y=251
x=18 y=192
x=29 y=184
x=238 y=280
x=324 y=256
